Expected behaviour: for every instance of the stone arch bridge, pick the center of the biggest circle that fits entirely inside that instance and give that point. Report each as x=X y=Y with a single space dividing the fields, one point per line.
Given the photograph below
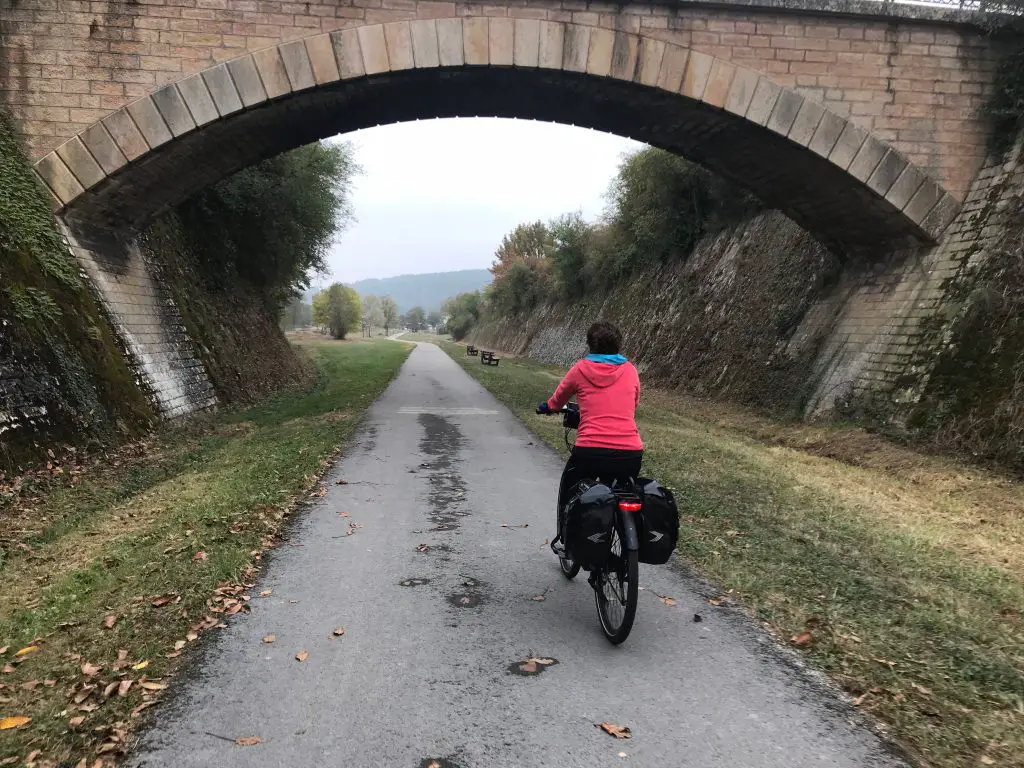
x=859 y=120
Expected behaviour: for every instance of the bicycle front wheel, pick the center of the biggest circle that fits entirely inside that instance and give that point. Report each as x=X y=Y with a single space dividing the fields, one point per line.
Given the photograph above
x=616 y=591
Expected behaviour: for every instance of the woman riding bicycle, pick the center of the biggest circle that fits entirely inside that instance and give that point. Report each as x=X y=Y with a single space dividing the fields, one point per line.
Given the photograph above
x=607 y=387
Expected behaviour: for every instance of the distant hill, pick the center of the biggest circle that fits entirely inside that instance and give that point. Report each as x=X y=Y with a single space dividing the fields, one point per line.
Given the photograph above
x=427 y=291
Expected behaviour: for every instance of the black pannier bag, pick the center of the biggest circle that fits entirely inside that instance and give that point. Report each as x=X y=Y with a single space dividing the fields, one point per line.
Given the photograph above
x=588 y=530
x=659 y=529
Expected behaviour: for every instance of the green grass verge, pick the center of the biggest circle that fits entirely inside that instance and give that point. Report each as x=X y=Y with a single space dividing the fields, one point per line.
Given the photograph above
x=191 y=517
x=910 y=605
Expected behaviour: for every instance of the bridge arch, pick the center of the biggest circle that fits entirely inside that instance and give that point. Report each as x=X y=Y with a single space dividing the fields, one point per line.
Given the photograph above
x=829 y=175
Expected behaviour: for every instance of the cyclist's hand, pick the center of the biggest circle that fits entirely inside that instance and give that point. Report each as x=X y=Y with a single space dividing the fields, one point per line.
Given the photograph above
x=543 y=408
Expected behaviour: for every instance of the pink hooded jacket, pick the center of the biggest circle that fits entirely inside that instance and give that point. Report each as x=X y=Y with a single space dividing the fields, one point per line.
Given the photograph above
x=608 y=395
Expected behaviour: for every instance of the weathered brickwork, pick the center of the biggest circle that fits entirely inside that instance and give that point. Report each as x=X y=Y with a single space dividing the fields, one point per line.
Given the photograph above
x=914 y=82
x=148 y=323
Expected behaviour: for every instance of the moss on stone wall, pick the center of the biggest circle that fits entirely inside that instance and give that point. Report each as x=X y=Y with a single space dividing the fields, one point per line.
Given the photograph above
x=242 y=346
x=63 y=373
x=973 y=401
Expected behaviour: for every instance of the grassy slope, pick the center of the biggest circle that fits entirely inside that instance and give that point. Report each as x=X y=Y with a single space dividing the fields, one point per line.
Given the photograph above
x=189 y=516
x=908 y=573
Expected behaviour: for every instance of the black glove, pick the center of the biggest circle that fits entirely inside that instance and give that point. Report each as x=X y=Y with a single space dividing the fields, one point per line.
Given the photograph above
x=543 y=408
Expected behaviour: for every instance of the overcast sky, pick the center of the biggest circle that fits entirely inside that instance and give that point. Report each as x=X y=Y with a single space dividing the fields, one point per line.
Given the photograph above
x=438 y=195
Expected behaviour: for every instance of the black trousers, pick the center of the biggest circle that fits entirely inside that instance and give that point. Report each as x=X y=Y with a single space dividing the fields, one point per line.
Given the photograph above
x=604 y=463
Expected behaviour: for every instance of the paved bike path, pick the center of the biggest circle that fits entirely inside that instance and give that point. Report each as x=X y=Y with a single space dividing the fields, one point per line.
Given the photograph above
x=423 y=670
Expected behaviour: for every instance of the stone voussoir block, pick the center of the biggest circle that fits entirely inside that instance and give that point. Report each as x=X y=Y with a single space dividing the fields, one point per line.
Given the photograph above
x=102 y=146
x=320 y=50
x=222 y=89
x=348 y=53
x=150 y=123
x=297 y=65
x=198 y=99
x=425 y=46
x=80 y=162
x=450 y=44
x=175 y=112
x=398 y=38
x=246 y=77
x=272 y=73
x=58 y=178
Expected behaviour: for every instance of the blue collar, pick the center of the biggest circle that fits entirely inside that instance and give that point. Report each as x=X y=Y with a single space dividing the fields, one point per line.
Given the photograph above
x=613 y=359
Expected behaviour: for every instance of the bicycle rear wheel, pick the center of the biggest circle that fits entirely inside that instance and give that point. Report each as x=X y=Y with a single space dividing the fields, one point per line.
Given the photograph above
x=569 y=566
x=616 y=591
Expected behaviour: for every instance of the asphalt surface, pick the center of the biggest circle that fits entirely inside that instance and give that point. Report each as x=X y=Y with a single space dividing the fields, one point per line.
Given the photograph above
x=422 y=672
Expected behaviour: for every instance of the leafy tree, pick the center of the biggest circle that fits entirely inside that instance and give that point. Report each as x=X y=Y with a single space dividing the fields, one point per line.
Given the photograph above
x=526 y=244
x=461 y=313
x=373 y=312
x=273 y=223
x=571 y=240
x=433 y=318
x=321 y=312
x=390 y=311
x=296 y=314
x=343 y=308
x=415 y=319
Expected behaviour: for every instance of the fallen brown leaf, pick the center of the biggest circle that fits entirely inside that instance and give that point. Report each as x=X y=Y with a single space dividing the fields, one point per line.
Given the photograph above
x=4 y=650
x=179 y=644
x=618 y=731
x=301 y=656
x=110 y=621
x=248 y=741
x=200 y=556
x=529 y=667
x=269 y=638
x=804 y=638
x=149 y=685
x=339 y=631
x=90 y=670
x=30 y=759
x=163 y=600
x=123 y=686
x=422 y=548
x=543 y=662
x=29 y=685
x=715 y=601
x=539 y=598
x=986 y=760
x=343 y=514
x=921 y=689
x=6 y=723
x=74 y=722
x=266 y=593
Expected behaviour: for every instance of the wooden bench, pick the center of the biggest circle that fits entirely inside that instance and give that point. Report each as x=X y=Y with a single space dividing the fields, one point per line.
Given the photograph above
x=471 y=350
x=488 y=358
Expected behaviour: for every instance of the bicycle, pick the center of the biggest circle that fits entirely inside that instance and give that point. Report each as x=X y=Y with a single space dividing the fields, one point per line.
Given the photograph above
x=615 y=580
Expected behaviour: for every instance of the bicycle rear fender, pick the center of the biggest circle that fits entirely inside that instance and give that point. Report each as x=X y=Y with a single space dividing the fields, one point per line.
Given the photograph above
x=632 y=539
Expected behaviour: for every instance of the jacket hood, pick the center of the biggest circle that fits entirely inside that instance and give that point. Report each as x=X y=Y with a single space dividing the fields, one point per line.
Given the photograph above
x=601 y=374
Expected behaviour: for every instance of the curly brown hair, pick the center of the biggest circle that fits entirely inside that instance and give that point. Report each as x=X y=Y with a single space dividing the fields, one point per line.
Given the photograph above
x=604 y=338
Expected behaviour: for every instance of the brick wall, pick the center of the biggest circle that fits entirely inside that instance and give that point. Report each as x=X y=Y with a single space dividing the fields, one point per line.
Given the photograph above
x=915 y=83
x=147 y=322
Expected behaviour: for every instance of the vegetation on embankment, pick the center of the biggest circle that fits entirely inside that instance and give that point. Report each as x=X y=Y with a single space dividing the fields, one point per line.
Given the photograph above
x=900 y=575
x=659 y=206
x=111 y=575
x=56 y=344
x=230 y=258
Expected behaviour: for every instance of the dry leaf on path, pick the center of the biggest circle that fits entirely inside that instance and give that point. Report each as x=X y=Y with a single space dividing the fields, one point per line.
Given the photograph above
x=269 y=638
x=343 y=514
x=539 y=598
x=266 y=593
x=529 y=667
x=543 y=662
x=715 y=601
x=6 y=723
x=618 y=731
x=804 y=638
x=623 y=754
x=248 y=741
x=301 y=656
x=986 y=760
x=339 y=632
x=422 y=548
x=110 y=621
